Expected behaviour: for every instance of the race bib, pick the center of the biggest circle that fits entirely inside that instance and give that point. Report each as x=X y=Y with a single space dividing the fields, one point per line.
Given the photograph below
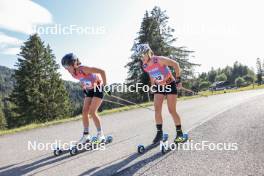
x=86 y=84
x=157 y=76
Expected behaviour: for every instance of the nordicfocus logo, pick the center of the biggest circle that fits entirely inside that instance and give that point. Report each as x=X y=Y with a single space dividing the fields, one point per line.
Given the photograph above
x=59 y=29
x=203 y=145
x=39 y=146
x=124 y=88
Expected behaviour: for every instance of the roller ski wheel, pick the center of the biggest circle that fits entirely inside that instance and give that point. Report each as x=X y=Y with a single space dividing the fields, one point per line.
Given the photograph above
x=73 y=151
x=109 y=139
x=57 y=152
x=141 y=149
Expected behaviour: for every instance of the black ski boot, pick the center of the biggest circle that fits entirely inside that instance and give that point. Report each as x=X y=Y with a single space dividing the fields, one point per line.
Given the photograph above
x=158 y=137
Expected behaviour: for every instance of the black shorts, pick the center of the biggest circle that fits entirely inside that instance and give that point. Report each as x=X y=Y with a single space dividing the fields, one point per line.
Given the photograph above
x=97 y=92
x=170 y=88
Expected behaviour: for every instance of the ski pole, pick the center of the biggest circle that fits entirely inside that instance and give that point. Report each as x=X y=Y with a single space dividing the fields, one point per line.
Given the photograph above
x=188 y=90
x=130 y=102
x=109 y=101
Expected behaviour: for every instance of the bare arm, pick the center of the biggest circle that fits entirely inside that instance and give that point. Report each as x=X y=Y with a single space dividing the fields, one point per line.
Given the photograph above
x=88 y=70
x=169 y=62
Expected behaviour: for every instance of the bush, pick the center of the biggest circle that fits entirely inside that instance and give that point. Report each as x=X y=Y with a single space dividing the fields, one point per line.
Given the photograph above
x=239 y=81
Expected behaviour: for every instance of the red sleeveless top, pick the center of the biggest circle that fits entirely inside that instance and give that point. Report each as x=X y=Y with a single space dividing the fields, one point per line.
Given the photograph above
x=161 y=74
x=88 y=81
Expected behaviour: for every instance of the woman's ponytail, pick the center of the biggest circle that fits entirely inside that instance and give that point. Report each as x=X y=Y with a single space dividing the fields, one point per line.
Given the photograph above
x=150 y=54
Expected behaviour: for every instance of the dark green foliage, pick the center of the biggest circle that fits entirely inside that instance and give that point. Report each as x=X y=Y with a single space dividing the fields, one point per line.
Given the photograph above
x=249 y=79
x=239 y=81
x=260 y=71
x=76 y=97
x=6 y=86
x=3 y=123
x=6 y=81
x=221 y=77
x=204 y=85
x=39 y=93
x=212 y=75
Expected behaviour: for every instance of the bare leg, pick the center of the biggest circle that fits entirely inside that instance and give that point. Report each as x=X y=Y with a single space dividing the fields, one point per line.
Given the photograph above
x=171 y=101
x=85 y=111
x=95 y=104
x=158 y=101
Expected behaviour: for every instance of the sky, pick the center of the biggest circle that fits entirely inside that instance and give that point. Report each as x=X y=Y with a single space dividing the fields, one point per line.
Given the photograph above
x=101 y=33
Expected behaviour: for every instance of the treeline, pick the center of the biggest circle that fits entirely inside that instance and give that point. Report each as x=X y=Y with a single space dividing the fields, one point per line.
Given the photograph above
x=7 y=83
x=235 y=76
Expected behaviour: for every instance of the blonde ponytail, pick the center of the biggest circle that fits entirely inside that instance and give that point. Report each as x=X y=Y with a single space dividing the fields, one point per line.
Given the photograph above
x=150 y=54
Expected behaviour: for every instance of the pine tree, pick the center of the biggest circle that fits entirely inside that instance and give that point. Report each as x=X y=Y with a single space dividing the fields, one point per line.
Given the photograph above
x=212 y=75
x=259 y=71
x=39 y=93
x=155 y=31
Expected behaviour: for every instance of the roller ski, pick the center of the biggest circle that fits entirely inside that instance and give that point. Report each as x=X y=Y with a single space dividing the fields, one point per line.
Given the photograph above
x=86 y=138
x=84 y=144
x=94 y=144
x=177 y=141
x=160 y=137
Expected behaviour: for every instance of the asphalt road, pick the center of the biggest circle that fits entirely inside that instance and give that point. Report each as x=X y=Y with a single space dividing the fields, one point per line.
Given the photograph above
x=235 y=120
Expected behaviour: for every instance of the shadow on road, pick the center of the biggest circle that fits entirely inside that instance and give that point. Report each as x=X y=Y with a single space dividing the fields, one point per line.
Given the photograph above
x=27 y=168
x=41 y=165
x=5 y=167
x=114 y=169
